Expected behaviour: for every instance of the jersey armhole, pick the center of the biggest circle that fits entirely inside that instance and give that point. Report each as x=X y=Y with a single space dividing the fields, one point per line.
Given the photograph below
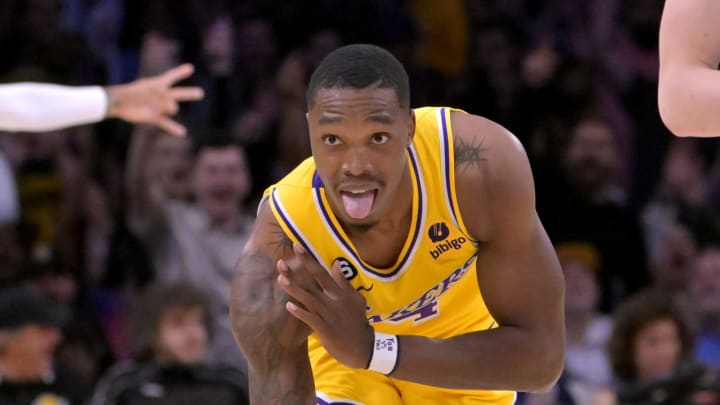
x=447 y=142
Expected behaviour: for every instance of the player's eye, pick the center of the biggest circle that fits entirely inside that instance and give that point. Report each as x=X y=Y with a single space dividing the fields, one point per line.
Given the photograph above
x=331 y=140
x=380 y=138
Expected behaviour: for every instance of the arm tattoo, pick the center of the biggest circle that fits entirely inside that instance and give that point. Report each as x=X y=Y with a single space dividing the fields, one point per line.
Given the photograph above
x=281 y=240
x=468 y=154
x=280 y=371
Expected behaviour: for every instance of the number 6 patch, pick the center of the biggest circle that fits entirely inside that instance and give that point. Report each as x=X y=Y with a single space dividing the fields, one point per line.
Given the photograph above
x=347 y=269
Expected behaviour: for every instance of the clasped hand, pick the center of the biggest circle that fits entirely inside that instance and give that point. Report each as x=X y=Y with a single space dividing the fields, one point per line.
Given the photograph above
x=328 y=304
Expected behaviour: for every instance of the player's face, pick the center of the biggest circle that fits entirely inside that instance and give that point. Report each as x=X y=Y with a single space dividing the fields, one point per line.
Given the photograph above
x=359 y=139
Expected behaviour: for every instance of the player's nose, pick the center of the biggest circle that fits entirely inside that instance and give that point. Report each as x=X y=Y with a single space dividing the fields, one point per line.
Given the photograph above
x=356 y=162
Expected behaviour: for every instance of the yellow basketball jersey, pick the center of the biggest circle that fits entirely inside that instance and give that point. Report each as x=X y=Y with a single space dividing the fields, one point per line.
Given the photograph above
x=432 y=288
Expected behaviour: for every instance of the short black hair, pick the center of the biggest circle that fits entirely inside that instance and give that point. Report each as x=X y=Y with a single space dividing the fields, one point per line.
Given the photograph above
x=357 y=67
x=209 y=139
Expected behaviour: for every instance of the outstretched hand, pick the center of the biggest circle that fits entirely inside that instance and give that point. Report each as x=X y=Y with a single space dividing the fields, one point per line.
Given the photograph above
x=153 y=100
x=328 y=304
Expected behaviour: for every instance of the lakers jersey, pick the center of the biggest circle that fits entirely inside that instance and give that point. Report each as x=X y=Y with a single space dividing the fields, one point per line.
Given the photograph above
x=431 y=290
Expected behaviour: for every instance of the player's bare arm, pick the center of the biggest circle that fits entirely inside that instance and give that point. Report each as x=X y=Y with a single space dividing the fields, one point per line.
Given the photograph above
x=518 y=272
x=689 y=81
x=273 y=341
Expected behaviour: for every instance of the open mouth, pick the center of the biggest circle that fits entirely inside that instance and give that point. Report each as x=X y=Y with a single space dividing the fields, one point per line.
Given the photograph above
x=358 y=203
x=179 y=176
x=220 y=195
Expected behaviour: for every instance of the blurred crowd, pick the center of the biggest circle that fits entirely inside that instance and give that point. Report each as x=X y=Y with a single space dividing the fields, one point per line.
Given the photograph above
x=117 y=243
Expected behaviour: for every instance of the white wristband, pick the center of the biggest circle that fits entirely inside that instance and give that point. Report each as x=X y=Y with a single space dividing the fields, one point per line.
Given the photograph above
x=385 y=353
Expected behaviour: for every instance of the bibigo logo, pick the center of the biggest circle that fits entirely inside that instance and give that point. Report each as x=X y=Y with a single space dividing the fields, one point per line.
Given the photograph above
x=437 y=233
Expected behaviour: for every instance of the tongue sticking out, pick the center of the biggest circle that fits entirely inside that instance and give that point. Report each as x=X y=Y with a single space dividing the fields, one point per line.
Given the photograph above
x=358 y=206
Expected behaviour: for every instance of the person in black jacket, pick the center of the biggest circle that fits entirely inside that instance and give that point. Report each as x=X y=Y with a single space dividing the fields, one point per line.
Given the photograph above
x=30 y=331
x=172 y=329
x=651 y=351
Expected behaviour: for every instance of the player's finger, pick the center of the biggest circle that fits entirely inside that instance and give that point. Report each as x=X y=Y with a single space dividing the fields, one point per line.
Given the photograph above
x=313 y=301
x=176 y=74
x=187 y=93
x=298 y=276
x=170 y=126
x=316 y=270
x=310 y=319
x=338 y=277
x=282 y=266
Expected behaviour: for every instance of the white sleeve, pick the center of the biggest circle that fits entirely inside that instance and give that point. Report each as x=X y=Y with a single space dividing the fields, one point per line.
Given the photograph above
x=9 y=206
x=36 y=107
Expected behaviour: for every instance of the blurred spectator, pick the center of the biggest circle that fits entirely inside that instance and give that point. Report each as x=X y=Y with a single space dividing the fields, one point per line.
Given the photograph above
x=40 y=189
x=673 y=259
x=587 y=368
x=172 y=331
x=198 y=242
x=9 y=205
x=159 y=53
x=705 y=293
x=633 y=64
x=491 y=80
x=12 y=255
x=253 y=117
x=168 y=163
x=220 y=73
x=442 y=48
x=651 y=350
x=102 y=29
x=83 y=351
x=292 y=79
x=593 y=211
x=683 y=196
x=30 y=331
x=45 y=48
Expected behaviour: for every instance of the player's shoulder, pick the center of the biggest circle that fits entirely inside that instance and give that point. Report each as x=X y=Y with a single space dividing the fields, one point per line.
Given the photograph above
x=470 y=126
x=492 y=173
x=485 y=146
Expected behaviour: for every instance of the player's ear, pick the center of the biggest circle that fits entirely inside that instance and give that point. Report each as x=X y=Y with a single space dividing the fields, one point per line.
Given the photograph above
x=411 y=126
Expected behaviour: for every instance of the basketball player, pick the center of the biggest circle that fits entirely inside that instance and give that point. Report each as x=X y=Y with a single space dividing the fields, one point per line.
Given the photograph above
x=408 y=245
x=689 y=81
x=34 y=107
